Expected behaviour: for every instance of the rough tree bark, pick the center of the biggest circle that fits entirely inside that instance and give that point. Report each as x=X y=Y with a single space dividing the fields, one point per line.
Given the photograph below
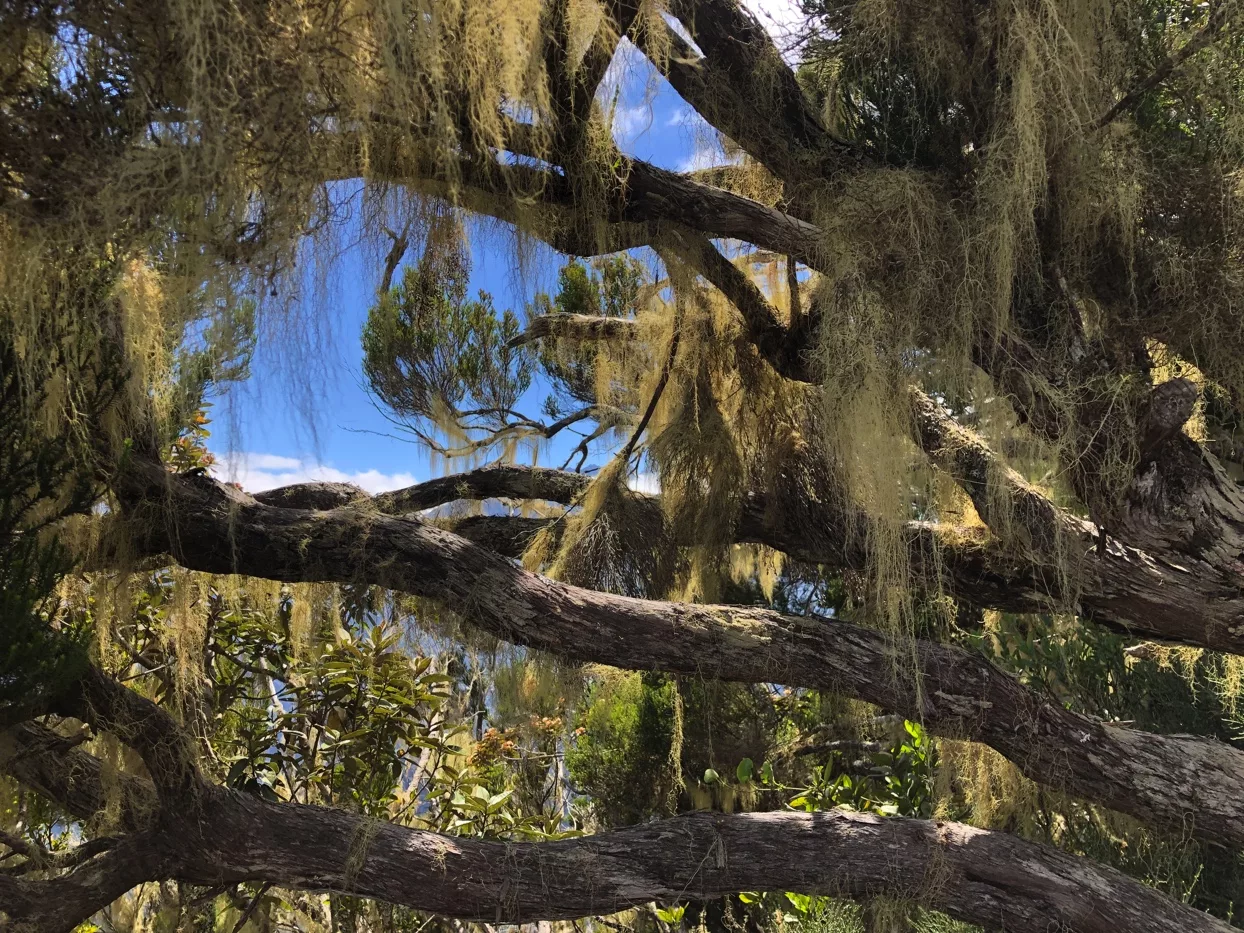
x=210 y=836
x=1181 y=782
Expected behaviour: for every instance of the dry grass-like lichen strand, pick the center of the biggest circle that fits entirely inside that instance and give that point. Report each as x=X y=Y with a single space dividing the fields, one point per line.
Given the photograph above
x=616 y=541
x=254 y=109
x=917 y=275
x=710 y=434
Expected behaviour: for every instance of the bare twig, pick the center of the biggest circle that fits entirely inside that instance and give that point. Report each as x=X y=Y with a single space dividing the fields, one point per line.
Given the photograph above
x=246 y=914
x=625 y=453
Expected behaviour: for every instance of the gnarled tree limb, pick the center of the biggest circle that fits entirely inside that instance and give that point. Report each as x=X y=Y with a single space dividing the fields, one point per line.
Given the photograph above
x=997 y=881
x=1176 y=781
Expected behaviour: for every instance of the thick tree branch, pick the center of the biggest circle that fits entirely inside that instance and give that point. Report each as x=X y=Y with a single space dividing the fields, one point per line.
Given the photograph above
x=997 y=881
x=59 y=904
x=142 y=725
x=561 y=325
x=573 y=85
x=1152 y=591
x=59 y=770
x=543 y=203
x=1179 y=782
x=654 y=193
x=742 y=86
x=1180 y=510
x=493 y=482
x=1105 y=581
x=1004 y=501
x=508 y=535
x=782 y=348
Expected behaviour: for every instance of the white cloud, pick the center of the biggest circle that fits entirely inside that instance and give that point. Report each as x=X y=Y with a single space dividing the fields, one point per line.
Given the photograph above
x=648 y=483
x=704 y=156
x=256 y=472
x=629 y=123
x=784 y=21
x=272 y=462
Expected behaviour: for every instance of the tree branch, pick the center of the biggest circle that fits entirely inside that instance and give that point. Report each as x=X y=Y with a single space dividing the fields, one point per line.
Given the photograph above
x=59 y=904
x=1004 y=501
x=992 y=879
x=217 y=529
x=142 y=725
x=44 y=761
x=1200 y=40
x=783 y=349
x=542 y=203
x=1117 y=585
x=742 y=86
x=561 y=325
x=493 y=482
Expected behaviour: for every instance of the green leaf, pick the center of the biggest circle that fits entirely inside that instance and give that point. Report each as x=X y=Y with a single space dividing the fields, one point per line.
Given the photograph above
x=497 y=801
x=671 y=914
x=711 y=776
x=801 y=902
x=744 y=771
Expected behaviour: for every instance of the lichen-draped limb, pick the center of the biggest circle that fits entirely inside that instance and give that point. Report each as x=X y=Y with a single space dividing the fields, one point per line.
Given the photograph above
x=1176 y=502
x=60 y=903
x=1003 y=500
x=56 y=767
x=543 y=203
x=742 y=86
x=991 y=879
x=1110 y=582
x=139 y=723
x=783 y=348
x=562 y=325
x=214 y=528
x=1163 y=510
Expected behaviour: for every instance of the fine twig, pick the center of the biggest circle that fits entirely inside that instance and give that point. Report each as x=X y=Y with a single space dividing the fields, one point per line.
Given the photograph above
x=625 y=453
x=246 y=914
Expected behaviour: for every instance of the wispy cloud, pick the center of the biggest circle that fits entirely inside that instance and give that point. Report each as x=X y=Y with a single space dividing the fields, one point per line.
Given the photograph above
x=629 y=123
x=706 y=155
x=785 y=21
x=648 y=483
x=256 y=472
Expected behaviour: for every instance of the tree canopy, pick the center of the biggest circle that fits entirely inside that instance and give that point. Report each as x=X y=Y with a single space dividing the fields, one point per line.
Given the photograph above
x=890 y=575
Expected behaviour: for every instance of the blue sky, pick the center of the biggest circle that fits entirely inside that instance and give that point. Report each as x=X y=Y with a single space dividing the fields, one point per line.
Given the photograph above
x=306 y=414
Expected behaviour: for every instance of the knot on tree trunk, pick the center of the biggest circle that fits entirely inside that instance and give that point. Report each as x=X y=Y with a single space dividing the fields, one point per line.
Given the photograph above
x=1169 y=407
